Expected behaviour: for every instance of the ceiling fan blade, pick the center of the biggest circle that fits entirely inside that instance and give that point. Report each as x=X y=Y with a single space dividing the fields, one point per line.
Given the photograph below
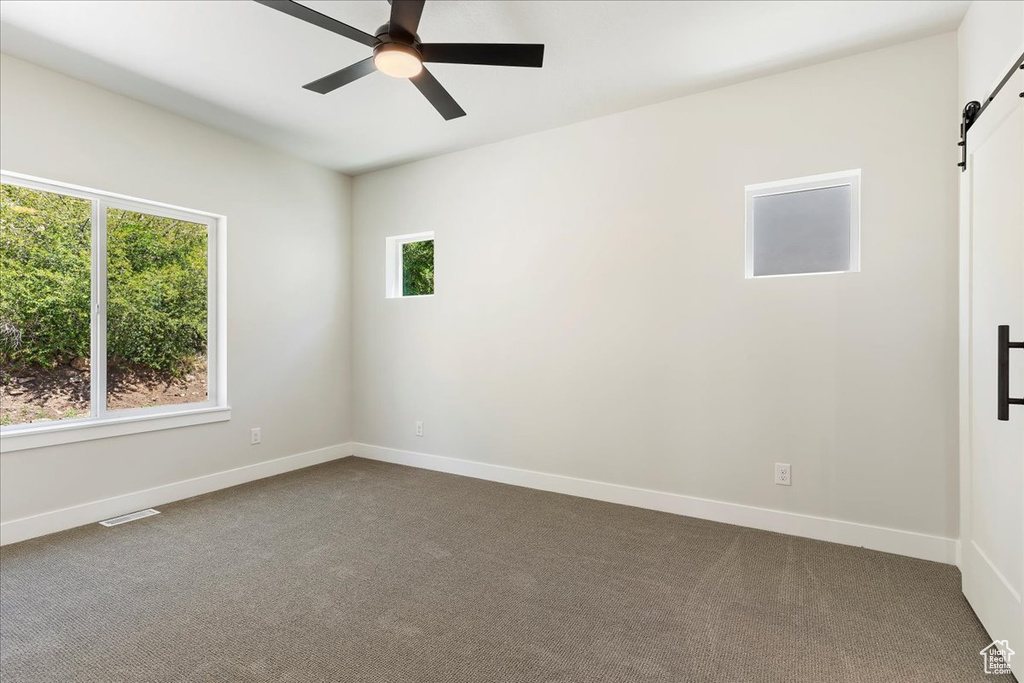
x=342 y=77
x=494 y=54
x=322 y=20
x=405 y=16
x=437 y=95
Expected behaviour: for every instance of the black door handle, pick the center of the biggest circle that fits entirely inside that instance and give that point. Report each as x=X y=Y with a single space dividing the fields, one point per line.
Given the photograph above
x=1004 y=372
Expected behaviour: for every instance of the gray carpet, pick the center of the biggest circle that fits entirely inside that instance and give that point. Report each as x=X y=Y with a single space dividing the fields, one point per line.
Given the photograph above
x=362 y=571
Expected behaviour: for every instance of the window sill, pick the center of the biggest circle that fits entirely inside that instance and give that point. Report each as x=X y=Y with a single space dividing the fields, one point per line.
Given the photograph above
x=53 y=433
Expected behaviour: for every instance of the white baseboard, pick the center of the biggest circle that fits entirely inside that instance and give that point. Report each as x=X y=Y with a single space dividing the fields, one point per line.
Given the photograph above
x=896 y=541
x=909 y=543
x=88 y=513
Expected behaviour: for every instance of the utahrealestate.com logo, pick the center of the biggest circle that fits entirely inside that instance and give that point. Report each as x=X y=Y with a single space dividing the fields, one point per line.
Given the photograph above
x=997 y=657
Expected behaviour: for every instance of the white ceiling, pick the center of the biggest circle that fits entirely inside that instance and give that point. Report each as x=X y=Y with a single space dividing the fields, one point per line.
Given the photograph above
x=240 y=66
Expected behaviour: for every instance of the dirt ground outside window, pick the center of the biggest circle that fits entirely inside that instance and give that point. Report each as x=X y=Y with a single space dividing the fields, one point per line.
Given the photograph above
x=30 y=394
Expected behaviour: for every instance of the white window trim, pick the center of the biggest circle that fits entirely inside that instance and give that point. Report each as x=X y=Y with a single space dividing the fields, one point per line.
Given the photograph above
x=393 y=264
x=816 y=182
x=104 y=423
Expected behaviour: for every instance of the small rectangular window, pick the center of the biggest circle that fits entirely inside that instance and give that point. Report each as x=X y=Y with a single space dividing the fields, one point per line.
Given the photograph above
x=804 y=226
x=410 y=265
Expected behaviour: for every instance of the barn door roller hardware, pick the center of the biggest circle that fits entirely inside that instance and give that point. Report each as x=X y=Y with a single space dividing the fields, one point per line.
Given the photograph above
x=974 y=109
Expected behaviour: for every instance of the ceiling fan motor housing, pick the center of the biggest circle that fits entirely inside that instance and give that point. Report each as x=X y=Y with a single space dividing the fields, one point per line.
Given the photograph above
x=385 y=35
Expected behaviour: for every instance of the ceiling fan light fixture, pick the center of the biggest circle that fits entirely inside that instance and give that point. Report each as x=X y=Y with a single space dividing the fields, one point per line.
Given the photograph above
x=397 y=61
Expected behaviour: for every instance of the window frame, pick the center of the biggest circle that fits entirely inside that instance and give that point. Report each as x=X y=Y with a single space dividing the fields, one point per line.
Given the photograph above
x=393 y=283
x=849 y=178
x=102 y=422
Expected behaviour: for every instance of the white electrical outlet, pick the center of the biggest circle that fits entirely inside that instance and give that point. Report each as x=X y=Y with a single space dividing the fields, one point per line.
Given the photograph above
x=783 y=475
x=419 y=428
x=255 y=436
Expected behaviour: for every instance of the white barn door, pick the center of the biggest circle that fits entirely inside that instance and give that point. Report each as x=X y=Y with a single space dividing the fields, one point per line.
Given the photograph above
x=992 y=295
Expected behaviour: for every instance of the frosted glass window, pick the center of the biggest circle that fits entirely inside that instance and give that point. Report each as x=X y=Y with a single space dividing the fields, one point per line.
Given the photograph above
x=803 y=226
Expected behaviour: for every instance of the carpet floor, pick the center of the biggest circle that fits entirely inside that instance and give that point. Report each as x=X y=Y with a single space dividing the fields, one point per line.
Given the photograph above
x=359 y=571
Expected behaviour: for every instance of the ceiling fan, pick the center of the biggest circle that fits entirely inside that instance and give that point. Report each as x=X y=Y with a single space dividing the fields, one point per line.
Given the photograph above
x=398 y=52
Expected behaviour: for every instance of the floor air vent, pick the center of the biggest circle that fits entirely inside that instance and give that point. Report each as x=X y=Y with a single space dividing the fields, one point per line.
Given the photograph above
x=130 y=517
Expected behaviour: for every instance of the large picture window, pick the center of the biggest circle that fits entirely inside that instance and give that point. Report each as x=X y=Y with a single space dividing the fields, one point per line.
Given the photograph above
x=110 y=314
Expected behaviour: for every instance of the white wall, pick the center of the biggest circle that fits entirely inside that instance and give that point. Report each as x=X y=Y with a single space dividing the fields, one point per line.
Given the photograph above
x=592 y=318
x=288 y=284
